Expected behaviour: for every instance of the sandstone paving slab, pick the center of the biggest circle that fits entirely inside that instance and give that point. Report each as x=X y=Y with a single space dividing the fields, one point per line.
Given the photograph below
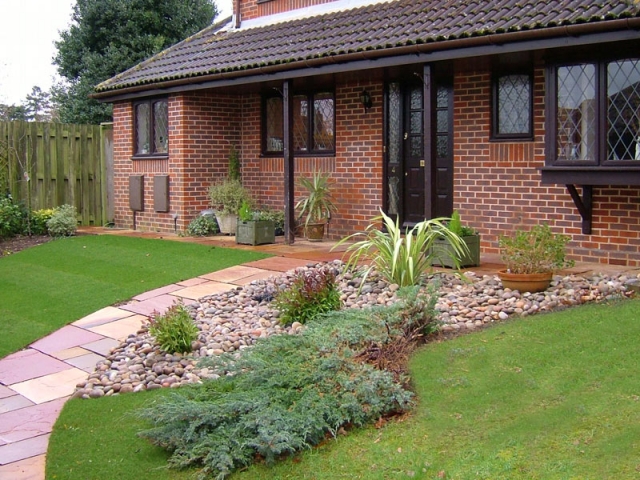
x=264 y=274
x=28 y=364
x=120 y=329
x=102 y=347
x=157 y=292
x=68 y=353
x=31 y=447
x=67 y=337
x=51 y=387
x=28 y=469
x=202 y=290
x=158 y=304
x=191 y=282
x=6 y=392
x=15 y=402
x=278 y=264
x=102 y=316
x=86 y=362
x=29 y=422
x=231 y=274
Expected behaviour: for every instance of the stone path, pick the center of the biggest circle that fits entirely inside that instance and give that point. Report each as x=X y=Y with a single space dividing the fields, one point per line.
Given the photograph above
x=35 y=382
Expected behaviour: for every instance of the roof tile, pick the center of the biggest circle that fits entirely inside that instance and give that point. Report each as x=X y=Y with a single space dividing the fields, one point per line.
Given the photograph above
x=381 y=26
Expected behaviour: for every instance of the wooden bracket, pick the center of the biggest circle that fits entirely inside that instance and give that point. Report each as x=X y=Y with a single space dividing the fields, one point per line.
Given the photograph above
x=584 y=205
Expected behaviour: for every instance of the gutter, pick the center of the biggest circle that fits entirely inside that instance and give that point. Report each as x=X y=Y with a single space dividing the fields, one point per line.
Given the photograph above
x=495 y=39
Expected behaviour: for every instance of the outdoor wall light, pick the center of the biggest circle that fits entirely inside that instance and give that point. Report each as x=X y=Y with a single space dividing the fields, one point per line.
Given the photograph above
x=365 y=99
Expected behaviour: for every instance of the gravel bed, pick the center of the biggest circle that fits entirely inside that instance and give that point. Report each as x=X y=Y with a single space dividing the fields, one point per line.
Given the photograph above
x=232 y=321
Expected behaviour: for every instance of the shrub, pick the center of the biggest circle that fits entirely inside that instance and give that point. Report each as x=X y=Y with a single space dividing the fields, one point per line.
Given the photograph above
x=63 y=222
x=401 y=256
x=227 y=196
x=202 y=226
x=538 y=250
x=12 y=218
x=311 y=293
x=276 y=216
x=288 y=392
x=39 y=219
x=175 y=330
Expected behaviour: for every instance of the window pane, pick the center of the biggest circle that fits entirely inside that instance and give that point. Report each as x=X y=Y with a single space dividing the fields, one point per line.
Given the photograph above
x=274 y=125
x=160 y=126
x=623 y=102
x=514 y=105
x=300 y=123
x=323 y=131
x=576 y=136
x=142 y=128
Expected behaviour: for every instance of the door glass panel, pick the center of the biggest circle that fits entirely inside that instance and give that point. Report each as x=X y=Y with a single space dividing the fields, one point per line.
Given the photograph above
x=395 y=124
x=442 y=98
x=442 y=146
x=442 y=120
x=416 y=99
x=416 y=146
x=416 y=122
x=623 y=108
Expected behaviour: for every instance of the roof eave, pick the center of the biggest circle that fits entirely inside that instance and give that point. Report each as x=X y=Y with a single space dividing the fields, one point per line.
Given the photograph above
x=575 y=30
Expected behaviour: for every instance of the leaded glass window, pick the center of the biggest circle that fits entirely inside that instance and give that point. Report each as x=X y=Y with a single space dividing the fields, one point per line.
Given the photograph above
x=512 y=107
x=623 y=110
x=313 y=124
x=151 y=120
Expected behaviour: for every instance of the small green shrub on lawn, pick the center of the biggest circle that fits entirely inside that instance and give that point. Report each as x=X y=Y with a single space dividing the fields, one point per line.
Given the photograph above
x=39 y=219
x=63 y=222
x=312 y=293
x=202 y=226
x=12 y=218
x=288 y=392
x=174 y=330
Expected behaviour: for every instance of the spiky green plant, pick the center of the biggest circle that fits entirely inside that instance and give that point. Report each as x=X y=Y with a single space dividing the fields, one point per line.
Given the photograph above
x=400 y=256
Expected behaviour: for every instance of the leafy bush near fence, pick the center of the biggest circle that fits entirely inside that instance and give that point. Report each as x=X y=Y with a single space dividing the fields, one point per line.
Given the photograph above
x=63 y=222
x=289 y=392
x=12 y=217
x=39 y=219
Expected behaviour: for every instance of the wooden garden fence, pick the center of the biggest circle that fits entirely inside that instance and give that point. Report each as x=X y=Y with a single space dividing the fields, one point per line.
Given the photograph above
x=46 y=165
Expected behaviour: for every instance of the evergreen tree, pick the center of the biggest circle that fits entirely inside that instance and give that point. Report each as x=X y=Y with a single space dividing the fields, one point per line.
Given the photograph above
x=107 y=37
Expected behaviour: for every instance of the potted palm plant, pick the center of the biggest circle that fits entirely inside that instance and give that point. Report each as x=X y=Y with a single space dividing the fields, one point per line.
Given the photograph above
x=253 y=230
x=443 y=253
x=316 y=206
x=531 y=257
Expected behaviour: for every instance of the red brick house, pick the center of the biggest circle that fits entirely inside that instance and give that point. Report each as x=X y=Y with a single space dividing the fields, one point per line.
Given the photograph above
x=512 y=112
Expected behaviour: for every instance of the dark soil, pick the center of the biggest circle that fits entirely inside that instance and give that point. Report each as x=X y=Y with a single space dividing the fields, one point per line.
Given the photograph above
x=21 y=242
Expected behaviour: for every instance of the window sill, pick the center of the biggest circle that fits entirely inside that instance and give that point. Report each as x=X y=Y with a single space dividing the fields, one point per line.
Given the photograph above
x=150 y=157
x=568 y=175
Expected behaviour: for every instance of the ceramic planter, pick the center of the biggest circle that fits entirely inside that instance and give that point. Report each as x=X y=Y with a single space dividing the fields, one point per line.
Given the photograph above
x=227 y=223
x=255 y=232
x=443 y=251
x=315 y=232
x=525 y=282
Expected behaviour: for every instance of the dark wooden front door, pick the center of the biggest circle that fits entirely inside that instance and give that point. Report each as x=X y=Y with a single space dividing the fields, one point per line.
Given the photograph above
x=419 y=173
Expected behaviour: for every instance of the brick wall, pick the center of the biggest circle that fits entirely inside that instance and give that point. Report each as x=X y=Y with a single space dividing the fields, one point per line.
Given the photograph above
x=202 y=128
x=497 y=184
x=259 y=8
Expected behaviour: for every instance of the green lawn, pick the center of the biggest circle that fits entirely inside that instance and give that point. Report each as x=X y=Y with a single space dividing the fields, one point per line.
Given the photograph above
x=46 y=287
x=553 y=396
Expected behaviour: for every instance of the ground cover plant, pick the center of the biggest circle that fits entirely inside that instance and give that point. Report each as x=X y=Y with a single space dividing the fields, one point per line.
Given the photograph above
x=48 y=286
x=552 y=396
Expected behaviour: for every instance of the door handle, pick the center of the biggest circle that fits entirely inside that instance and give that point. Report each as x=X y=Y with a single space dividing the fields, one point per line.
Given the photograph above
x=406 y=135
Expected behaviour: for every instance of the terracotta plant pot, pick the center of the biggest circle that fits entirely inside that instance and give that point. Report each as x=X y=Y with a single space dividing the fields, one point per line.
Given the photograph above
x=525 y=282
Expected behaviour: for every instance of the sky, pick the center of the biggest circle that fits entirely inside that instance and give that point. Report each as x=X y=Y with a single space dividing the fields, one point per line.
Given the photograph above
x=28 y=30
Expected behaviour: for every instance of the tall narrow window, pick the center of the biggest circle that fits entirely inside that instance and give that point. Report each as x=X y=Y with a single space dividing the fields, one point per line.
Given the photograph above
x=512 y=107
x=151 y=120
x=313 y=124
x=623 y=110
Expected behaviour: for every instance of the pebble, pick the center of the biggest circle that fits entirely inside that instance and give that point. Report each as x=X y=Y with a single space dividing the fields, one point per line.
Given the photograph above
x=232 y=321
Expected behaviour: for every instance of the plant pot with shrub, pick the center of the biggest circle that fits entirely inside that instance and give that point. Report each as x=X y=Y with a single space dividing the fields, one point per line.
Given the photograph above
x=531 y=257
x=316 y=205
x=226 y=199
x=445 y=255
x=251 y=230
